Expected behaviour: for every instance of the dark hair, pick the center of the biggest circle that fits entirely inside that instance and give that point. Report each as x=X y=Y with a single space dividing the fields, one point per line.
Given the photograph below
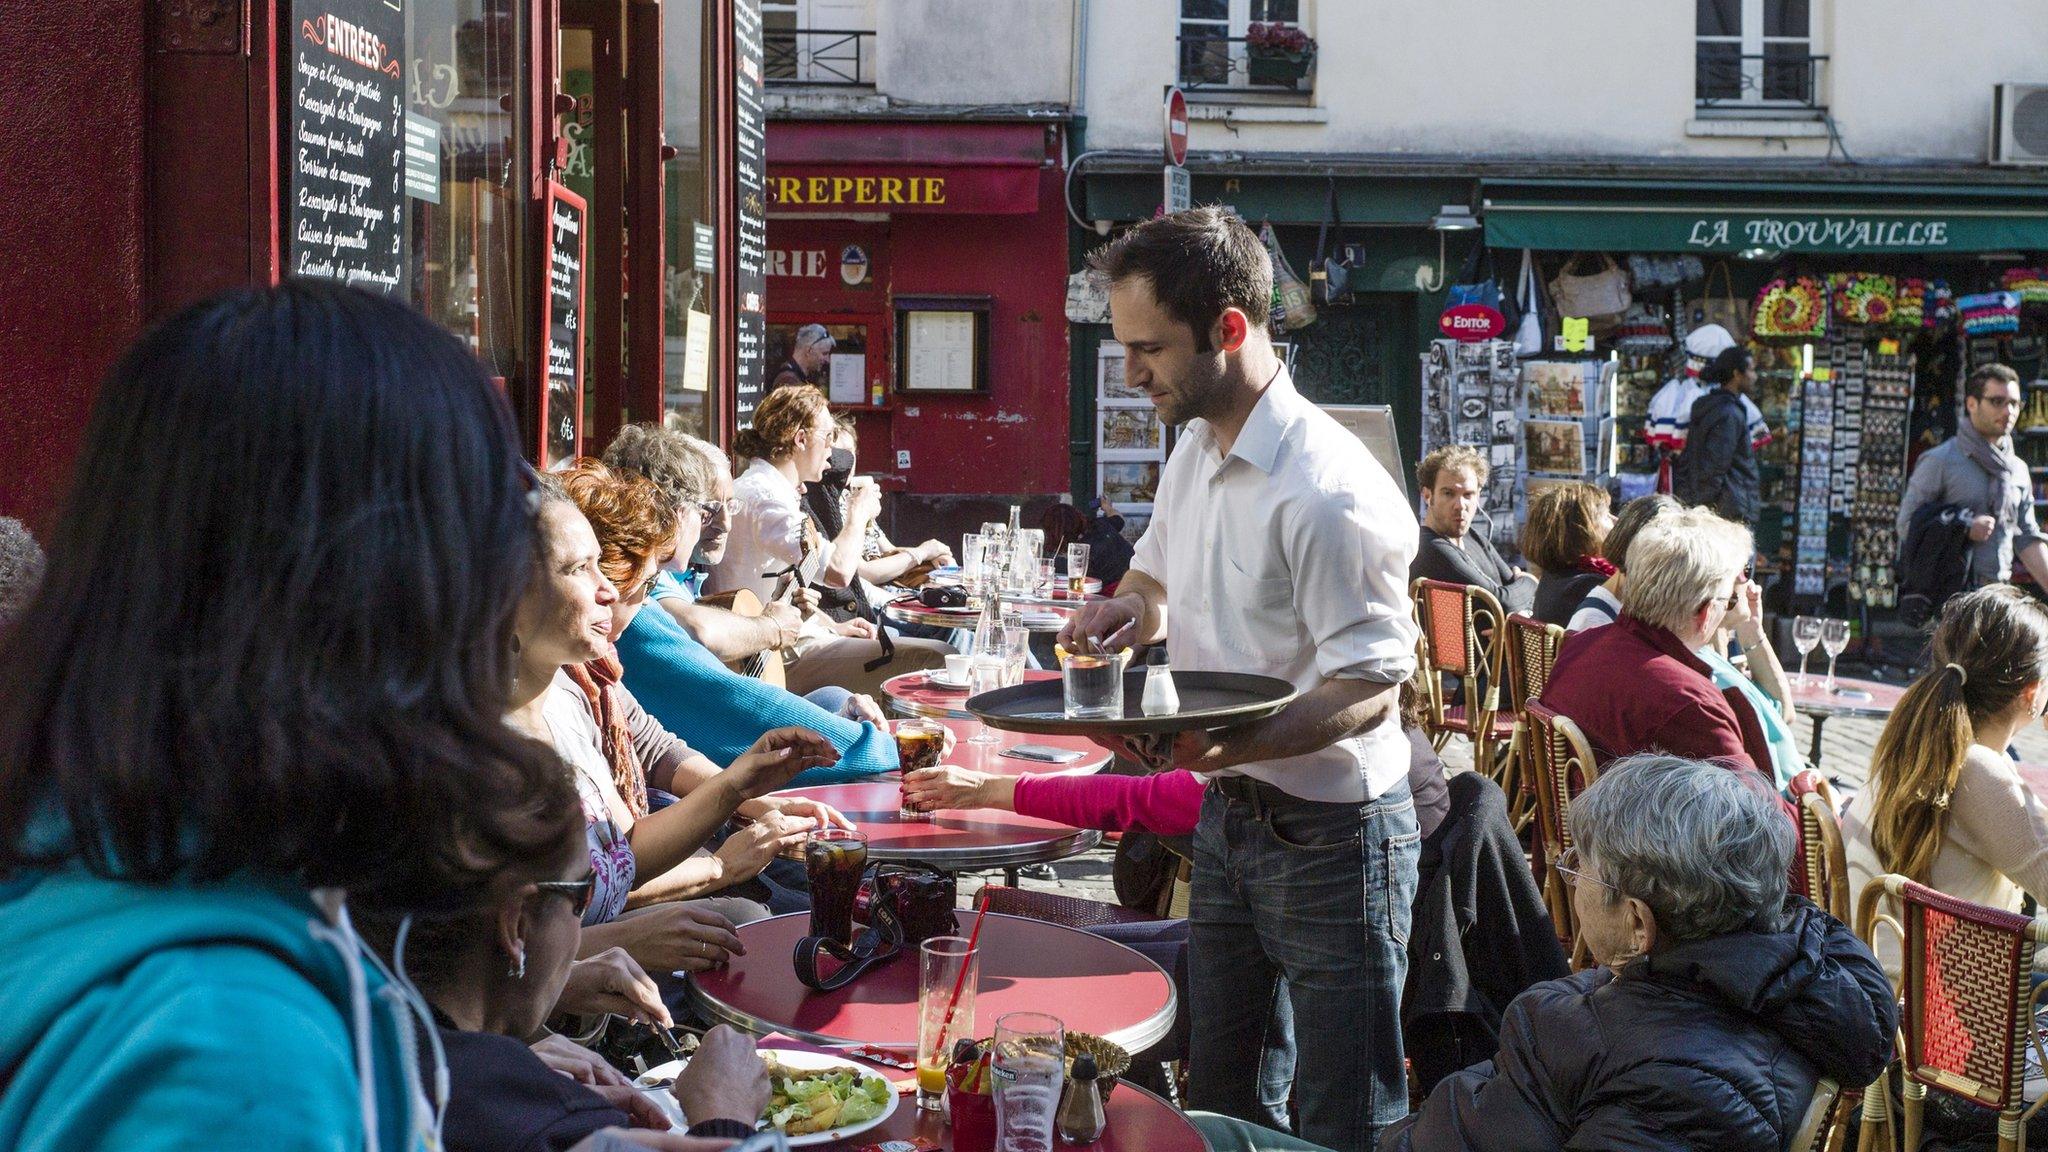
x=1988 y=647
x=1723 y=367
x=1063 y=524
x=1561 y=529
x=1199 y=263
x=1973 y=387
x=1459 y=456
x=276 y=632
x=1629 y=521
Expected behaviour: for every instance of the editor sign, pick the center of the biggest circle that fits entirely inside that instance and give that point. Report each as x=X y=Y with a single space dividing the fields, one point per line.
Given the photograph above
x=1472 y=323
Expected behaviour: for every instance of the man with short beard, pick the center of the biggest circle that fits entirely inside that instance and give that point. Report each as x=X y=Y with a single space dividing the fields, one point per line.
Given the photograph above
x=1279 y=546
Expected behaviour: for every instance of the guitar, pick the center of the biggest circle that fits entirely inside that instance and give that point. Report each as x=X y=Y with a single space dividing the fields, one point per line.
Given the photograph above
x=766 y=665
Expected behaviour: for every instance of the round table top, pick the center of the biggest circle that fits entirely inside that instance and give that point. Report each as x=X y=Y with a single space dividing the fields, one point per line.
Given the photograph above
x=989 y=758
x=1814 y=699
x=914 y=694
x=957 y=840
x=1039 y=614
x=1091 y=984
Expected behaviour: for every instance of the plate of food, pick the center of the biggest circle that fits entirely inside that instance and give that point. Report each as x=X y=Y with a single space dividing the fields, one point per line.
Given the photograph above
x=815 y=1098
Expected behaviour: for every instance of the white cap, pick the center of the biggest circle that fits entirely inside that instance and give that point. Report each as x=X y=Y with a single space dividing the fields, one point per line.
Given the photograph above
x=1708 y=341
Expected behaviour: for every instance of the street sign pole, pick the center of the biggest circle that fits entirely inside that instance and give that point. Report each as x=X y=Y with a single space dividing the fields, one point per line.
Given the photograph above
x=1178 y=191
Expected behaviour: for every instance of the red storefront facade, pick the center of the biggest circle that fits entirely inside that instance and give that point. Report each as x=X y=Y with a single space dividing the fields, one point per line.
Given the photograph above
x=162 y=154
x=934 y=254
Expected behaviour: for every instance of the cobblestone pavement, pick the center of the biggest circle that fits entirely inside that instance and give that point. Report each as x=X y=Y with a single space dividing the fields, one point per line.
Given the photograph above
x=1846 y=747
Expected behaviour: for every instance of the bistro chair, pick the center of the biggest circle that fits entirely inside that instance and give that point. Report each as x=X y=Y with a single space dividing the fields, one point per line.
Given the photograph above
x=1529 y=654
x=1561 y=766
x=1815 y=1129
x=1967 y=1021
x=1822 y=864
x=1463 y=635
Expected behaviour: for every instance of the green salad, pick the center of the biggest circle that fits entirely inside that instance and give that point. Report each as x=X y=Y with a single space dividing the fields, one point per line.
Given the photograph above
x=807 y=1100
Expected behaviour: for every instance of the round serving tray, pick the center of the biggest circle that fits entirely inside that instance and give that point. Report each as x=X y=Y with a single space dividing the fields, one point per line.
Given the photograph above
x=1207 y=700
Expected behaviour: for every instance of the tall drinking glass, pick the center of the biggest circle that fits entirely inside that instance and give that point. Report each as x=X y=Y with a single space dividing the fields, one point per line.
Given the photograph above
x=1029 y=1066
x=985 y=674
x=1077 y=569
x=946 y=964
x=1016 y=653
x=920 y=743
x=1805 y=635
x=1834 y=636
x=971 y=562
x=834 y=859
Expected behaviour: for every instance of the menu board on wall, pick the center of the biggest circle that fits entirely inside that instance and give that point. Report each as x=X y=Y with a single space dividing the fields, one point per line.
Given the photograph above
x=750 y=272
x=345 y=143
x=561 y=409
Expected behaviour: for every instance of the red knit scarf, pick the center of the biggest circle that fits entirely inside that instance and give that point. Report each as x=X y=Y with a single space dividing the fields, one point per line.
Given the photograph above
x=1596 y=564
x=599 y=680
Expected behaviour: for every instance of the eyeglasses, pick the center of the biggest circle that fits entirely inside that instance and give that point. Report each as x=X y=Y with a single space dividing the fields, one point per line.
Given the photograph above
x=1567 y=865
x=578 y=892
x=713 y=509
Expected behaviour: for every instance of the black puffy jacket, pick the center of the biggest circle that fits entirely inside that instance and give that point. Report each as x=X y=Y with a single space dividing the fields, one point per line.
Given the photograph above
x=1711 y=1044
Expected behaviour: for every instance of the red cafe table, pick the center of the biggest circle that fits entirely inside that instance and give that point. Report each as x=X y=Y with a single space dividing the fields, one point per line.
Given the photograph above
x=1138 y=1120
x=914 y=694
x=1040 y=613
x=957 y=840
x=1852 y=697
x=1091 y=984
x=989 y=758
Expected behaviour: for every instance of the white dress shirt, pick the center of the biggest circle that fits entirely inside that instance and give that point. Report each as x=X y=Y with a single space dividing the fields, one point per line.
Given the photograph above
x=767 y=533
x=1289 y=558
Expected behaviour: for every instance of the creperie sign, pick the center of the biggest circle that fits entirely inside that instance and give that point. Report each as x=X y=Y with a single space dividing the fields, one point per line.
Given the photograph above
x=857 y=191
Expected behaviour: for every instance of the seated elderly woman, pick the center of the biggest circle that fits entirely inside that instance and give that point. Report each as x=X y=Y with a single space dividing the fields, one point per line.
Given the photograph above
x=494 y=971
x=1718 y=1002
x=564 y=622
x=669 y=664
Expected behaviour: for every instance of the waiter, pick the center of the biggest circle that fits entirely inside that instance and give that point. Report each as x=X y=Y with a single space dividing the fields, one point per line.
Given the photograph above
x=1277 y=545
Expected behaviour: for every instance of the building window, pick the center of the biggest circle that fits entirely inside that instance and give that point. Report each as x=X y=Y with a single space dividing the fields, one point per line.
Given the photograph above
x=818 y=42
x=1756 y=55
x=1245 y=46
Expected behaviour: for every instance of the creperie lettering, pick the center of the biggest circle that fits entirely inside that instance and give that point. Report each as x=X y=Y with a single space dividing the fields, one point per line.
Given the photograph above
x=857 y=191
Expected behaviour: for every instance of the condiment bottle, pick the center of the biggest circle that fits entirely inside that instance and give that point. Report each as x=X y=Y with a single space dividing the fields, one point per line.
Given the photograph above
x=1081 y=1120
x=1161 y=697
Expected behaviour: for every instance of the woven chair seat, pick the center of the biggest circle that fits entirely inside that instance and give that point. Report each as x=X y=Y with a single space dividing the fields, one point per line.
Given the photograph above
x=1456 y=720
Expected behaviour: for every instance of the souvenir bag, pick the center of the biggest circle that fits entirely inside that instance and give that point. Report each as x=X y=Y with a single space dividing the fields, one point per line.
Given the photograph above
x=1990 y=313
x=1528 y=293
x=1724 y=308
x=1293 y=309
x=1791 y=308
x=1476 y=283
x=1909 y=309
x=1862 y=297
x=1599 y=296
x=1329 y=274
x=2030 y=283
x=1648 y=272
x=1643 y=328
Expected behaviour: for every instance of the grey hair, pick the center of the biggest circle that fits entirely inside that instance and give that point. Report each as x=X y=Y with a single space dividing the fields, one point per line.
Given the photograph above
x=681 y=465
x=21 y=566
x=1679 y=561
x=810 y=334
x=1706 y=847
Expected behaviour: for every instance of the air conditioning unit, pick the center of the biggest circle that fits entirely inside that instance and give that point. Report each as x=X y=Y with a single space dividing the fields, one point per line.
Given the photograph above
x=2019 y=125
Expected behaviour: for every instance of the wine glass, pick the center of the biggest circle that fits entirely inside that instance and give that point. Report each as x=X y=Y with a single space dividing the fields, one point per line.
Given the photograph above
x=985 y=674
x=1805 y=634
x=1834 y=636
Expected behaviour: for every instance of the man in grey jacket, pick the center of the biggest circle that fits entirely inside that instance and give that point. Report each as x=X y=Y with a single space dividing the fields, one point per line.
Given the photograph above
x=1978 y=469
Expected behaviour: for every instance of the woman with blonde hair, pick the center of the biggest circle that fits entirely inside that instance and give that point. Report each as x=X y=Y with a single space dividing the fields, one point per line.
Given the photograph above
x=1945 y=804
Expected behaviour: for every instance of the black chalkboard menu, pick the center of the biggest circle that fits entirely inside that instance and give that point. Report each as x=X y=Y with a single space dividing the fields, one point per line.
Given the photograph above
x=561 y=406
x=345 y=143
x=750 y=279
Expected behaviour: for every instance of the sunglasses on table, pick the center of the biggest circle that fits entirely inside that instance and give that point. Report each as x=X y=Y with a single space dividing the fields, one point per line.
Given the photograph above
x=577 y=892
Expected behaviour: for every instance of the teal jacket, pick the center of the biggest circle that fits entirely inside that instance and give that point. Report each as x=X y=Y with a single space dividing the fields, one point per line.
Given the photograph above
x=231 y=1015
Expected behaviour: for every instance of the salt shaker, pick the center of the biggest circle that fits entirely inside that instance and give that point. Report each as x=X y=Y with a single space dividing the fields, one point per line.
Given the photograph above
x=1161 y=697
x=1081 y=1119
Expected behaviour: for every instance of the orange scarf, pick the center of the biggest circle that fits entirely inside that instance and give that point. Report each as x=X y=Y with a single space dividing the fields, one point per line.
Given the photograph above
x=599 y=680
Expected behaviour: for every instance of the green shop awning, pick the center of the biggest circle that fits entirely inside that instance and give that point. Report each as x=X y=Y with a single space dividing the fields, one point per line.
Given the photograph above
x=1737 y=227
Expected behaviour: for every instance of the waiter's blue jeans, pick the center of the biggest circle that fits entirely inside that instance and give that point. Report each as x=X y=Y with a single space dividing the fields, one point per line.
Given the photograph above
x=1319 y=894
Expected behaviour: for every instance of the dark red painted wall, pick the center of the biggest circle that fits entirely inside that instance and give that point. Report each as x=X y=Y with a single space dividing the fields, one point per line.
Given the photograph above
x=71 y=231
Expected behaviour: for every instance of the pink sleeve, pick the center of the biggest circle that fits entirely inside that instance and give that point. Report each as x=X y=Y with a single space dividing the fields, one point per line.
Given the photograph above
x=1167 y=804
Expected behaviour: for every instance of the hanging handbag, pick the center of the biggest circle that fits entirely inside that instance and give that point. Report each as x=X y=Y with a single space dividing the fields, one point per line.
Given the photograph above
x=1293 y=309
x=1476 y=283
x=1791 y=308
x=1329 y=274
x=1600 y=296
x=1648 y=272
x=1725 y=309
x=1529 y=333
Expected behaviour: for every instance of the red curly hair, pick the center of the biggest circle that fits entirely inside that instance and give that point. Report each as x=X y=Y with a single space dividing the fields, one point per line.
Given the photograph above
x=634 y=522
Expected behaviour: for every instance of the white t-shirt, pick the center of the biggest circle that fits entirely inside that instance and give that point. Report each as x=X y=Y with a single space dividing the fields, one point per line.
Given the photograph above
x=1289 y=558
x=767 y=534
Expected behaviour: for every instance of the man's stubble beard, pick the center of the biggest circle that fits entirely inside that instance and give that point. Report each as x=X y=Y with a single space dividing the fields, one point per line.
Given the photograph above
x=1203 y=394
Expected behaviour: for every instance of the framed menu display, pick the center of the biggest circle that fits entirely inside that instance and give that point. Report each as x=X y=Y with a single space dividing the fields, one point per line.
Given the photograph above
x=344 y=151
x=942 y=343
x=561 y=397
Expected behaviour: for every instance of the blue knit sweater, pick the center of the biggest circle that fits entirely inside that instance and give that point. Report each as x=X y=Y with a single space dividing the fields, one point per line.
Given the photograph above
x=721 y=713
